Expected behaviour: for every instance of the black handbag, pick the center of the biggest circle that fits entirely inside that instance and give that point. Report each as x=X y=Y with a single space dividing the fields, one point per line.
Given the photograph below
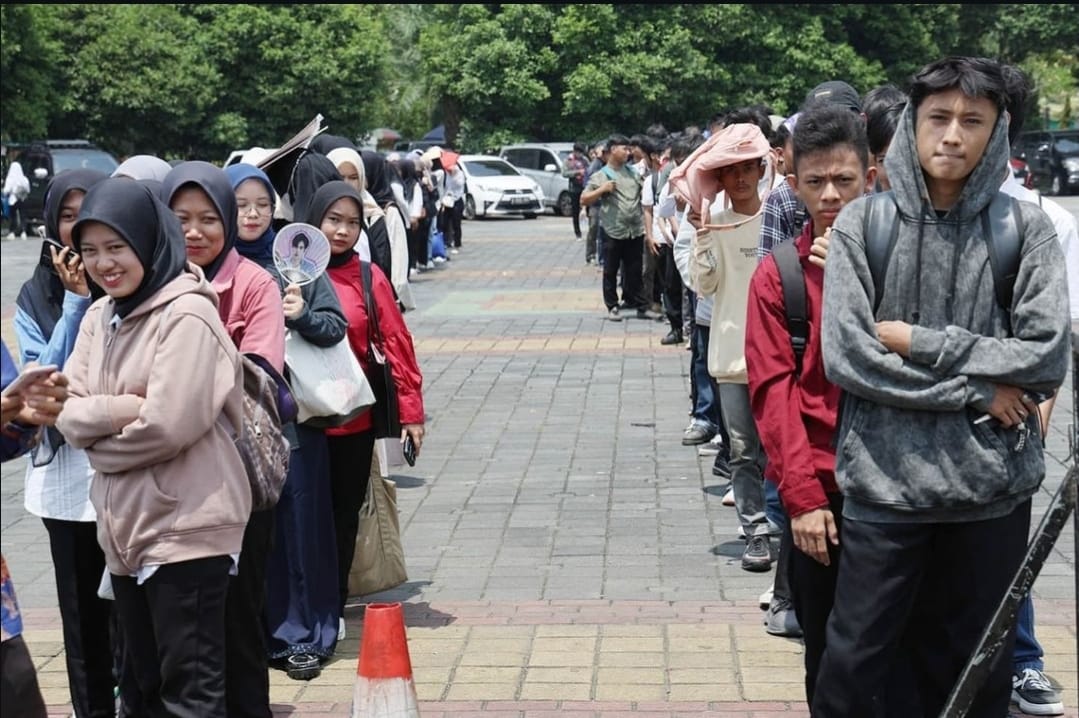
x=384 y=414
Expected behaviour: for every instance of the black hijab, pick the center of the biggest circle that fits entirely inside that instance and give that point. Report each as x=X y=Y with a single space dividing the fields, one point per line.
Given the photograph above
x=313 y=170
x=324 y=198
x=133 y=211
x=379 y=175
x=42 y=296
x=323 y=143
x=212 y=180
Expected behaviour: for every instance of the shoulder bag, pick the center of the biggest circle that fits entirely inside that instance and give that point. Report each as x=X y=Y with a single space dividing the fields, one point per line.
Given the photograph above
x=384 y=414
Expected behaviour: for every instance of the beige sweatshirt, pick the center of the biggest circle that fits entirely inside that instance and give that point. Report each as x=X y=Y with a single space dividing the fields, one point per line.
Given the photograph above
x=723 y=263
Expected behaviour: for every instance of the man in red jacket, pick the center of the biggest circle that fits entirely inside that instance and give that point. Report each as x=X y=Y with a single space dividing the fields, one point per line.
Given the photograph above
x=796 y=412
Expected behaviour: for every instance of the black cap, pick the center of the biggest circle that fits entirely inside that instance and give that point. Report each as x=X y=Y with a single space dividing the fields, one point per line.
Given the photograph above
x=834 y=92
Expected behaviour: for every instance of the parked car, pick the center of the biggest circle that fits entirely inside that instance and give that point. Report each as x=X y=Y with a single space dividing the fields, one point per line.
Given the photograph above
x=41 y=161
x=1021 y=172
x=1053 y=157
x=545 y=163
x=494 y=187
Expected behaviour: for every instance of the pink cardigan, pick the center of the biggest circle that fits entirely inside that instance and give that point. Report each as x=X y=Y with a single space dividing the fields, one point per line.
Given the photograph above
x=249 y=302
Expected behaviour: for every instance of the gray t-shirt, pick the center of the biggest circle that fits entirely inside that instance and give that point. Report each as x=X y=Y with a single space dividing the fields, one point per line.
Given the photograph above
x=620 y=211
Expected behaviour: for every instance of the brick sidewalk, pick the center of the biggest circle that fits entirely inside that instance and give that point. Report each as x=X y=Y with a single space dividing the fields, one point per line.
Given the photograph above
x=567 y=556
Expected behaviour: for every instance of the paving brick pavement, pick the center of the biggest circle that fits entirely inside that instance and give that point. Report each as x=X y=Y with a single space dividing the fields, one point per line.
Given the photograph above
x=566 y=555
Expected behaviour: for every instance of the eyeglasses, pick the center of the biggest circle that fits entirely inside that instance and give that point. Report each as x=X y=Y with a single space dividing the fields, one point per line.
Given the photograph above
x=258 y=208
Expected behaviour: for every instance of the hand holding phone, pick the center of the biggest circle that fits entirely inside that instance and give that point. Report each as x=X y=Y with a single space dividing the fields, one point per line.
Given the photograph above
x=409 y=450
x=28 y=376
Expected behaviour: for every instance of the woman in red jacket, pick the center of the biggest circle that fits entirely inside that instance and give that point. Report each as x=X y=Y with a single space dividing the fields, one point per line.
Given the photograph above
x=337 y=209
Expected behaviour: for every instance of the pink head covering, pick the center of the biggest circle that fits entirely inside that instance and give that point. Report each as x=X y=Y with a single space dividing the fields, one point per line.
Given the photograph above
x=695 y=180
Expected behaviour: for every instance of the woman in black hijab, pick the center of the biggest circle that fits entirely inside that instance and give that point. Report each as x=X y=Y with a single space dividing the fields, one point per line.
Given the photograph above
x=170 y=491
x=250 y=306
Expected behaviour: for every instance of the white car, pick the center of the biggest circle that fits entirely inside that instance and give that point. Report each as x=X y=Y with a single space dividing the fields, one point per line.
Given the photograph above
x=494 y=187
x=545 y=162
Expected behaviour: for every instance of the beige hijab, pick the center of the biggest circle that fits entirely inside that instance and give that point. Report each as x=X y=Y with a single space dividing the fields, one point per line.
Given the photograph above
x=341 y=155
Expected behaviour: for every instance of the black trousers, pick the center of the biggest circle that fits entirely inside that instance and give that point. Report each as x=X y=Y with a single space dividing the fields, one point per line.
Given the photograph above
x=19 y=692
x=174 y=637
x=624 y=254
x=449 y=221
x=895 y=613
x=576 y=211
x=812 y=587
x=350 y=470
x=417 y=242
x=246 y=657
x=78 y=563
x=672 y=287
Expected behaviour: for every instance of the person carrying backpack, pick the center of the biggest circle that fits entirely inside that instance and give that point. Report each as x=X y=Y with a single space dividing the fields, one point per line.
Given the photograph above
x=936 y=498
x=794 y=405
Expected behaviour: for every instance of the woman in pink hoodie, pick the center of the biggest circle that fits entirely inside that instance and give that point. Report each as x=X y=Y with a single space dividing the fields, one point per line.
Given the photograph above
x=155 y=384
x=250 y=305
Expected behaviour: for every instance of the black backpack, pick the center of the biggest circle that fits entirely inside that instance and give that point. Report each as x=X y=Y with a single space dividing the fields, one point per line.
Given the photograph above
x=1001 y=221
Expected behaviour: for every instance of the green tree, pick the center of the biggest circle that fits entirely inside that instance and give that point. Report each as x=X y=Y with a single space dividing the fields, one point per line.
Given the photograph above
x=27 y=66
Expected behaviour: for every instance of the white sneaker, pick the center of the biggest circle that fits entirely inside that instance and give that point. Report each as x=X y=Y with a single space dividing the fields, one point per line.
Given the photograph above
x=765 y=599
x=341 y=630
x=712 y=447
x=455 y=251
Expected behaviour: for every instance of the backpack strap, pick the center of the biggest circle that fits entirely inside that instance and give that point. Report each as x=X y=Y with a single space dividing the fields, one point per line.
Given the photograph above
x=1002 y=226
x=792 y=279
x=880 y=229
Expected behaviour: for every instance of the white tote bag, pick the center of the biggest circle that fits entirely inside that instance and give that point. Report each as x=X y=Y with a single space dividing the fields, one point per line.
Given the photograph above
x=328 y=382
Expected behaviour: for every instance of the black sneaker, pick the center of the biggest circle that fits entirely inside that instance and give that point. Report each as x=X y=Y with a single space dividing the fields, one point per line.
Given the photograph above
x=758 y=553
x=721 y=467
x=1034 y=694
x=672 y=337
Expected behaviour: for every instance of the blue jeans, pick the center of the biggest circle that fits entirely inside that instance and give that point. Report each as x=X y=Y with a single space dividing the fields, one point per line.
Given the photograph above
x=706 y=406
x=1028 y=652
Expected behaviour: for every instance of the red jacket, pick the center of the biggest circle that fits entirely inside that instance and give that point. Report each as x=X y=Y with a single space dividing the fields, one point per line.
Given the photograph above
x=398 y=349
x=796 y=418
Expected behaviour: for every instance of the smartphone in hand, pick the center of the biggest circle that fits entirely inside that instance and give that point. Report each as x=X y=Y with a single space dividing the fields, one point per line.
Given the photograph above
x=30 y=375
x=409 y=450
x=46 y=254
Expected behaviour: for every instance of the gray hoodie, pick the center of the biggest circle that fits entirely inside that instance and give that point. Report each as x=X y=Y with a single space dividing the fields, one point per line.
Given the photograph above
x=907 y=448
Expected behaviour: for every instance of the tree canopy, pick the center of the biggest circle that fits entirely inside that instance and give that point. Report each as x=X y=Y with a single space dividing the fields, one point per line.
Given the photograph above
x=199 y=80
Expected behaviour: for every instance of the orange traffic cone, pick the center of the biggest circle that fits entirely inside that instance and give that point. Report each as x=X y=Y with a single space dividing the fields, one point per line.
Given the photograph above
x=384 y=687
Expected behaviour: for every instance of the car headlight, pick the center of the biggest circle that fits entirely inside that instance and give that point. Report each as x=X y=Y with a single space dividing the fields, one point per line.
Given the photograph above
x=536 y=188
x=1071 y=164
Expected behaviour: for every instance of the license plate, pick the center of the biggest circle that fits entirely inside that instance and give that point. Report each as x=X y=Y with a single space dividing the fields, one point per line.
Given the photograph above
x=520 y=200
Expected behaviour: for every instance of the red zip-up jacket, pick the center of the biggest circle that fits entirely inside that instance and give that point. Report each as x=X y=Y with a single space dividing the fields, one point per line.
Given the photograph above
x=398 y=349
x=796 y=417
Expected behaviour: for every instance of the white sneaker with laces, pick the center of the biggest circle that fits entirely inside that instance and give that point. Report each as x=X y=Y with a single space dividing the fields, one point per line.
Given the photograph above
x=1035 y=694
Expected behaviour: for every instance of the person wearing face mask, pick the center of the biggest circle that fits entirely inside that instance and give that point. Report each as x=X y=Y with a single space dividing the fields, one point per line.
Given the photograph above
x=302 y=614
x=337 y=209
x=250 y=306
x=170 y=491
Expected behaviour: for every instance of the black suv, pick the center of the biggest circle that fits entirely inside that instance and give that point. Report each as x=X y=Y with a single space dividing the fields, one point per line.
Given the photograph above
x=43 y=160
x=1053 y=158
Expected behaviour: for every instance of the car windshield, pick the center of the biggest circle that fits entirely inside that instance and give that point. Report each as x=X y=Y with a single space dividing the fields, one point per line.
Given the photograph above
x=1068 y=145
x=564 y=154
x=82 y=159
x=490 y=168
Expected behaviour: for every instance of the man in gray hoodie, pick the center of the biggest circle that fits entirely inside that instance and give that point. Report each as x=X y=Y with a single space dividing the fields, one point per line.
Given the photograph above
x=936 y=497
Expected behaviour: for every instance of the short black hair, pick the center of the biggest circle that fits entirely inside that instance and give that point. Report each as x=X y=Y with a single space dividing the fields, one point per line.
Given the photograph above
x=884 y=106
x=755 y=115
x=973 y=76
x=824 y=127
x=780 y=136
x=617 y=139
x=299 y=239
x=1019 y=91
x=646 y=143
